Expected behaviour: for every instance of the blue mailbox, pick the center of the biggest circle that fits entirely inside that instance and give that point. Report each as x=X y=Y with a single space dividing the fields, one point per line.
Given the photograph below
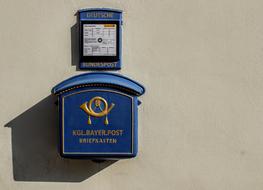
x=98 y=115
x=100 y=38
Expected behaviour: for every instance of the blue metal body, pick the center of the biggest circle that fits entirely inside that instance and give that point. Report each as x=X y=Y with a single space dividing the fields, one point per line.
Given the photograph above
x=101 y=15
x=113 y=135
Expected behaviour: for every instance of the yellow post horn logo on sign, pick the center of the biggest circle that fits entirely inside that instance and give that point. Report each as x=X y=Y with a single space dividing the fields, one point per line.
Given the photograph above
x=87 y=108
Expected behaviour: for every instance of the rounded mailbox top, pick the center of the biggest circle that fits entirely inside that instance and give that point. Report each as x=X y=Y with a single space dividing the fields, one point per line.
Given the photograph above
x=98 y=78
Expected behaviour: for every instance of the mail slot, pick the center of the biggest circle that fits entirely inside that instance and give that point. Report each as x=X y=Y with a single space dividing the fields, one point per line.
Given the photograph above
x=98 y=116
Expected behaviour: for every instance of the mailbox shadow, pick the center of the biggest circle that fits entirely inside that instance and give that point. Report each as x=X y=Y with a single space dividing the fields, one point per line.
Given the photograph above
x=35 y=148
x=74 y=30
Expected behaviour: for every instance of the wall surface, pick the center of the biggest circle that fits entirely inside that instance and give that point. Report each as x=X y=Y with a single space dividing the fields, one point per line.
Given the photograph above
x=201 y=120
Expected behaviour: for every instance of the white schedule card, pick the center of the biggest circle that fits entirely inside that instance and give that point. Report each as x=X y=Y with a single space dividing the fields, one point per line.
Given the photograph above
x=99 y=39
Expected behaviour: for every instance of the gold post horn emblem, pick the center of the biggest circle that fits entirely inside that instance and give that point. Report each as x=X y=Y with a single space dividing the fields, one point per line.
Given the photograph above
x=87 y=108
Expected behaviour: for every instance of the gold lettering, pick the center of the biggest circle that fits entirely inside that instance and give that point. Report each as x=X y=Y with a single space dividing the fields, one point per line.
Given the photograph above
x=121 y=132
x=100 y=14
x=98 y=140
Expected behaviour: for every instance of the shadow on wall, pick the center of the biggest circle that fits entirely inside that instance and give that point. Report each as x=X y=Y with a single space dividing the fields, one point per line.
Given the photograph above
x=74 y=31
x=35 y=148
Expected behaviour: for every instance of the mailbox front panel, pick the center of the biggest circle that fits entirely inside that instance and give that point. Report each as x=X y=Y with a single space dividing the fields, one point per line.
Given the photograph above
x=98 y=122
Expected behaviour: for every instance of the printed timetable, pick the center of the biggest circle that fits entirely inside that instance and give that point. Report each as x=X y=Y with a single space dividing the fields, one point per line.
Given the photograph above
x=99 y=39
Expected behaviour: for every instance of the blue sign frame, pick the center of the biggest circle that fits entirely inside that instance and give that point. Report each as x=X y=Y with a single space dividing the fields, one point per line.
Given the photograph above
x=99 y=16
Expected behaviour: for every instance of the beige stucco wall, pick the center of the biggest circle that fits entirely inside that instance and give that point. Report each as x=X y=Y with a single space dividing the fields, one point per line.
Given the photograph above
x=201 y=120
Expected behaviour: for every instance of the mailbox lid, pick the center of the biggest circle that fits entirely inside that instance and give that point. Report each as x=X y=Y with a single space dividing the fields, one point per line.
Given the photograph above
x=110 y=80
